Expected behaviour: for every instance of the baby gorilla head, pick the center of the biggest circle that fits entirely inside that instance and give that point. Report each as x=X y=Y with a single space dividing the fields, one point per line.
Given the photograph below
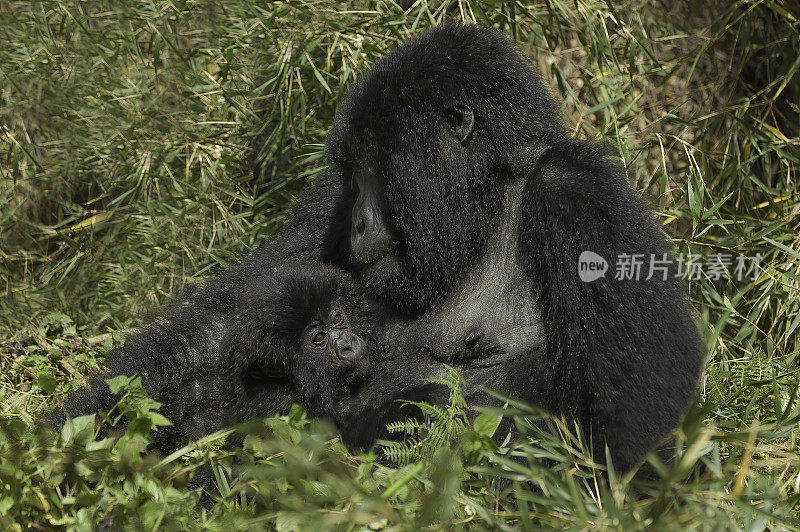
x=304 y=328
x=332 y=338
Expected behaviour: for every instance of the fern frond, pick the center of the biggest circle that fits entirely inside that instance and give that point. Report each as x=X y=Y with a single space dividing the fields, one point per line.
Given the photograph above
x=440 y=425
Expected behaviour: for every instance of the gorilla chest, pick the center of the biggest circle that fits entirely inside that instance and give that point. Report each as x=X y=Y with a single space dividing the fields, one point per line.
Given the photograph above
x=491 y=317
x=493 y=314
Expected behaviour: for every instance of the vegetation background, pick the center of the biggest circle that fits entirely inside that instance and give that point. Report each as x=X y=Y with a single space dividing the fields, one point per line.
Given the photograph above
x=146 y=144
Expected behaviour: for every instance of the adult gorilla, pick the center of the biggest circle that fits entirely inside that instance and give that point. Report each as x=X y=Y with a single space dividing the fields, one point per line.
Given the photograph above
x=456 y=197
x=466 y=207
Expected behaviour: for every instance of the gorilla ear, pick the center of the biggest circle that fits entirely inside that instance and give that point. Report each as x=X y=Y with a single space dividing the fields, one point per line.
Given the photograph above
x=461 y=121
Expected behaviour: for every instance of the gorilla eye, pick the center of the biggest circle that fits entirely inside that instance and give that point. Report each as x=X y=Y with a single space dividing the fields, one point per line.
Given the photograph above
x=337 y=318
x=319 y=337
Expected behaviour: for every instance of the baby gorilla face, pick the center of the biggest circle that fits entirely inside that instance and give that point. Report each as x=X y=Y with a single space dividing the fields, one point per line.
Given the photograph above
x=334 y=341
x=304 y=330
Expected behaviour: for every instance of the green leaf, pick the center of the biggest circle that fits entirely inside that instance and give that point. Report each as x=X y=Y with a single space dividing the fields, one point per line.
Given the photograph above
x=486 y=424
x=47 y=382
x=118 y=383
x=79 y=429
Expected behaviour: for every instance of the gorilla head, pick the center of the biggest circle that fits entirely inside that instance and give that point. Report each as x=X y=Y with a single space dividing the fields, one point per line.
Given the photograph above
x=428 y=138
x=306 y=326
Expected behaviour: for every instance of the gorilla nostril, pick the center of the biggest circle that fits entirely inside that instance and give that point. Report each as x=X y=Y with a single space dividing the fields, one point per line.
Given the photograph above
x=472 y=338
x=361 y=226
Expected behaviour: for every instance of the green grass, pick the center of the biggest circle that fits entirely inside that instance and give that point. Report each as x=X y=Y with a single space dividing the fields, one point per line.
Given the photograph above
x=129 y=134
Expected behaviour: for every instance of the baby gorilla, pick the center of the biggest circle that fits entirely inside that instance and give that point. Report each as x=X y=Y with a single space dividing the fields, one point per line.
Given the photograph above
x=290 y=335
x=307 y=325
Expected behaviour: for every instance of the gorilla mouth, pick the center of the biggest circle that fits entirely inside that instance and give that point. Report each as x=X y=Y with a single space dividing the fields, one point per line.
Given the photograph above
x=364 y=256
x=354 y=383
x=501 y=356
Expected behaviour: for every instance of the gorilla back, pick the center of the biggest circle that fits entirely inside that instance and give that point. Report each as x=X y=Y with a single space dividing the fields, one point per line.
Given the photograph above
x=466 y=207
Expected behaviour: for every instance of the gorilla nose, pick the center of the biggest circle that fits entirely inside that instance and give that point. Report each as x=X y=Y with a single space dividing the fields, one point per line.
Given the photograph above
x=361 y=228
x=369 y=239
x=349 y=347
x=357 y=239
x=368 y=236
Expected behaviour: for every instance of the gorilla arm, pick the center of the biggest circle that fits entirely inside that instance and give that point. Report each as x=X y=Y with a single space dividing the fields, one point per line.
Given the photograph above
x=318 y=229
x=626 y=350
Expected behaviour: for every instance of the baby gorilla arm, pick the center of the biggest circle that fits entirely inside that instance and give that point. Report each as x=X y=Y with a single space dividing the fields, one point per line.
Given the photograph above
x=175 y=358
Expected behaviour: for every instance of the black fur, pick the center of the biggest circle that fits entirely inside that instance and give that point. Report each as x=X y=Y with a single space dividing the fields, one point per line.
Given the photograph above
x=264 y=340
x=243 y=363
x=481 y=217
x=178 y=354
